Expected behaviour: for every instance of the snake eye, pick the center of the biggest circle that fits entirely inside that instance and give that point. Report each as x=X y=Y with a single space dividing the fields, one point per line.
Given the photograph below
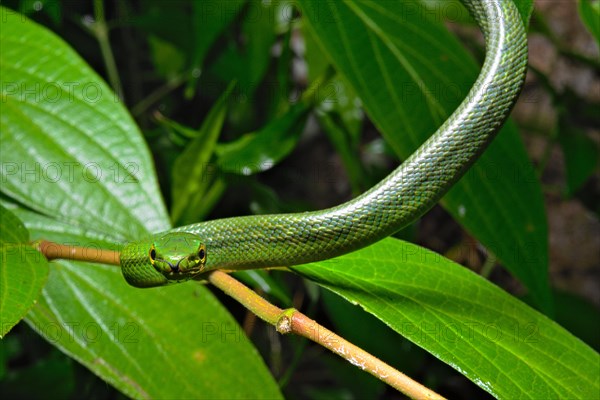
x=152 y=254
x=202 y=254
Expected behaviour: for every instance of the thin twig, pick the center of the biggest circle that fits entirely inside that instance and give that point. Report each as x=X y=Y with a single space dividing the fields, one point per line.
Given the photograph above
x=160 y=92
x=488 y=266
x=252 y=301
x=53 y=251
x=293 y=321
x=100 y=30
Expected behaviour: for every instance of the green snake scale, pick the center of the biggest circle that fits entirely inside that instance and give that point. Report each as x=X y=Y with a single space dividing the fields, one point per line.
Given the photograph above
x=403 y=196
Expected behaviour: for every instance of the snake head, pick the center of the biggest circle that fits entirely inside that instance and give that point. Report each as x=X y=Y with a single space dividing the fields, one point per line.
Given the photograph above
x=178 y=256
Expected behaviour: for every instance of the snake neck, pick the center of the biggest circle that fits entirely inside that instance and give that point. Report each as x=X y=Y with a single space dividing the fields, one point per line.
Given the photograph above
x=410 y=190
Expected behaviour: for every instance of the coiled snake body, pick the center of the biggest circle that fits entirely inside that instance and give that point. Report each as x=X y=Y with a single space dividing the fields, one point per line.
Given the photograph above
x=403 y=196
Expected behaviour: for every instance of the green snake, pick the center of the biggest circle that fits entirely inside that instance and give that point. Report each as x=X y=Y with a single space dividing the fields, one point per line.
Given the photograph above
x=402 y=197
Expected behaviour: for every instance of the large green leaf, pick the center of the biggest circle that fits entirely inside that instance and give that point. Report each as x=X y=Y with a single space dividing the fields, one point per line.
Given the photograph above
x=190 y=177
x=23 y=271
x=209 y=18
x=501 y=344
x=248 y=63
x=589 y=10
x=69 y=148
x=261 y=150
x=411 y=74
x=581 y=156
x=72 y=155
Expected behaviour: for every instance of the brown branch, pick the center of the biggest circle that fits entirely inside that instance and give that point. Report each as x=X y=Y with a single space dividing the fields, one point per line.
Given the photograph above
x=293 y=321
x=54 y=251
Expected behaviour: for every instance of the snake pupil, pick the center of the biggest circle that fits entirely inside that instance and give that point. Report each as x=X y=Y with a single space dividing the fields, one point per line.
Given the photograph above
x=152 y=254
x=201 y=254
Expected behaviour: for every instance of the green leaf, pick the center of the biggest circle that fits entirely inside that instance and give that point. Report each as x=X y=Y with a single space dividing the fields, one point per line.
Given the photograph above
x=579 y=316
x=525 y=8
x=171 y=22
x=581 y=156
x=249 y=62
x=340 y=98
x=23 y=271
x=52 y=8
x=191 y=177
x=259 y=151
x=54 y=379
x=340 y=115
x=265 y=200
x=589 y=10
x=69 y=148
x=209 y=19
x=367 y=332
x=341 y=140
x=280 y=78
x=411 y=74
x=168 y=59
x=175 y=342
x=495 y=340
x=12 y=230
x=180 y=131
x=454 y=11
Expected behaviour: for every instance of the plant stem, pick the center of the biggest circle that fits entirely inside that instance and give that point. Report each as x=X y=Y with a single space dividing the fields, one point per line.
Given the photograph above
x=53 y=251
x=488 y=266
x=160 y=92
x=315 y=92
x=293 y=321
x=285 y=321
x=252 y=301
x=100 y=30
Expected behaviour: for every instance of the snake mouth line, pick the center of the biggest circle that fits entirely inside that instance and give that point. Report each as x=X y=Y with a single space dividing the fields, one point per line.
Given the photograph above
x=174 y=268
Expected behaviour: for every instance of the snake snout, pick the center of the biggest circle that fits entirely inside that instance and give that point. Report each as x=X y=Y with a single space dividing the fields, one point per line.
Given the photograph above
x=174 y=268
